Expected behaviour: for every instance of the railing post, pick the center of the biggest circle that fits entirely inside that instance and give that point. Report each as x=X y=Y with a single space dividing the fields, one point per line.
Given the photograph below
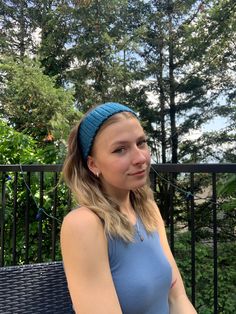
x=193 y=237
x=27 y=217
x=14 y=219
x=54 y=215
x=215 y=236
x=41 y=182
x=2 y=217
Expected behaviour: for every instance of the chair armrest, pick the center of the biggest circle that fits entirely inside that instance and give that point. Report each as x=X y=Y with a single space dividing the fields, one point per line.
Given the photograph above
x=34 y=289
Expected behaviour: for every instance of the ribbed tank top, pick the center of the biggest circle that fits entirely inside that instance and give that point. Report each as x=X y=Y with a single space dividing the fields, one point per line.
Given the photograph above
x=141 y=273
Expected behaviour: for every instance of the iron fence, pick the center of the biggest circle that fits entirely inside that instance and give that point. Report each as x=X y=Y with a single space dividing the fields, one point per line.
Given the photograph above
x=34 y=201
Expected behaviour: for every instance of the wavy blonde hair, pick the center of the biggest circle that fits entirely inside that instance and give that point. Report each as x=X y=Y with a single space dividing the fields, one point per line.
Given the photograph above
x=88 y=191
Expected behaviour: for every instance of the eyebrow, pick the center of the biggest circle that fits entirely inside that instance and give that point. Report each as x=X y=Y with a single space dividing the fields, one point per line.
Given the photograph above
x=142 y=137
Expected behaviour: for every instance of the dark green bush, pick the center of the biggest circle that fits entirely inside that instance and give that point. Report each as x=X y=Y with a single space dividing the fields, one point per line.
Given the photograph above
x=204 y=273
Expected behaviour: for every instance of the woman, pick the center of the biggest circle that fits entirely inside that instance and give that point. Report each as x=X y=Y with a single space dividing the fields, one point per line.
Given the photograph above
x=114 y=246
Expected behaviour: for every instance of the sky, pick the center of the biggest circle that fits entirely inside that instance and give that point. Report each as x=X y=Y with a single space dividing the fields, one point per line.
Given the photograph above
x=215 y=124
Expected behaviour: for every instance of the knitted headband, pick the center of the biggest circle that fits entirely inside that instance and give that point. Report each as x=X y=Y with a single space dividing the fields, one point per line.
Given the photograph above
x=92 y=122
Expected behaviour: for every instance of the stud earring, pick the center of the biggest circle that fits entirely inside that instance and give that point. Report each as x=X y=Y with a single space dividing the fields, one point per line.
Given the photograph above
x=97 y=174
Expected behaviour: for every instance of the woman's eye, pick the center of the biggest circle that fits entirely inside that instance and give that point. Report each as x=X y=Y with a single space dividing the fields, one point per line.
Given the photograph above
x=119 y=150
x=142 y=143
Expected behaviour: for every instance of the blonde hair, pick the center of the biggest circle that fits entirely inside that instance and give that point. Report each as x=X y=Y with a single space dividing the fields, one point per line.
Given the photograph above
x=88 y=191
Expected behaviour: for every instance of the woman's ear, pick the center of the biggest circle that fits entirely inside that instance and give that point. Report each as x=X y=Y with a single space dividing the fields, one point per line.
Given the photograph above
x=92 y=165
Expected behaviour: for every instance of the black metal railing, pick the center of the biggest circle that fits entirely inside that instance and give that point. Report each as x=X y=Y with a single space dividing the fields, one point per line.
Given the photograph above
x=213 y=170
x=34 y=201
x=29 y=195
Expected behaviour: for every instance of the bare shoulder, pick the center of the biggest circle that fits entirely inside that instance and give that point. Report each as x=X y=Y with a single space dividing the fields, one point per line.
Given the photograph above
x=81 y=217
x=160 y=219
x=82 y=236
x=81 y=222
x=86 y=263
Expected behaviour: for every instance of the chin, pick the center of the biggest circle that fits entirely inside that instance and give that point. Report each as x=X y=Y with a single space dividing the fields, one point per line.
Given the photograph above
x=139 y=185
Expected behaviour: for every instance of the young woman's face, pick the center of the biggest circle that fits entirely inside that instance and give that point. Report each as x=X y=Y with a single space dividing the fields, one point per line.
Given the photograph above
x=121 y=155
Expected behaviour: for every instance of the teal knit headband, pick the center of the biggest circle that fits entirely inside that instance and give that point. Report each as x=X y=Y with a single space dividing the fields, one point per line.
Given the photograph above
x=92 y=122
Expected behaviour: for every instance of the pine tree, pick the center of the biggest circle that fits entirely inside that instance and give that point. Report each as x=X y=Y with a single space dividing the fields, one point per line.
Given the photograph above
x=17 y=28
x=53 y=18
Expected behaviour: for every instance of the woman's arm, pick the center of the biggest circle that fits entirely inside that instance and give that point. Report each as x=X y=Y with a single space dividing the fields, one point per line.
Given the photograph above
x=182 y=305
x=178 y=300
x=85 y=258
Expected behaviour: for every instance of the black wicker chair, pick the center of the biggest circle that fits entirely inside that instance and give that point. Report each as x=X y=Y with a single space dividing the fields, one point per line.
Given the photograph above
x=34 y=289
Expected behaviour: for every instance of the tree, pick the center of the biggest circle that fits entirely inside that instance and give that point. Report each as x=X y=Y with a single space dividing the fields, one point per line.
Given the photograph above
x=212 y=43
x=30 y=102
x=16 y=147
x=17 y=27
x=53 y=18
x=103 y=66
x=177 y=49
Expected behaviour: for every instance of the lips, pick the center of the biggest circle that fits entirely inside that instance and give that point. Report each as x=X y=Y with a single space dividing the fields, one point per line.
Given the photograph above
x=141 y=172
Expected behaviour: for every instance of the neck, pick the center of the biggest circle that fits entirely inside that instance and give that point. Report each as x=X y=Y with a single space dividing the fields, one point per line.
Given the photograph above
x=122 y=197
x=126 y=208
x=124 y=204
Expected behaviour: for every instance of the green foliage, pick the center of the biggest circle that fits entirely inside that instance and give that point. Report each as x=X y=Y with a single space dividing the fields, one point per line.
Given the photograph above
x=204 y=273
x=102 y=53
x=29 y=99
x=203 y=227
x=17 y=147
x=181 y=53
x=17 y=26
x=227 y=186
x=173 y=62
x=226 y=192
x=27 y=207
x=54 y=20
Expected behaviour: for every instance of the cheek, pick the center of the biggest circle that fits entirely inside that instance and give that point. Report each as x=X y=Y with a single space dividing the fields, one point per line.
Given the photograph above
x=118 y=165
x=148 y=156
x=110 y=166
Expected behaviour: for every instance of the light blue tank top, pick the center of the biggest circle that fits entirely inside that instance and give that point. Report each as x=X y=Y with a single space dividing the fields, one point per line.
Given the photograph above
x=141 y=273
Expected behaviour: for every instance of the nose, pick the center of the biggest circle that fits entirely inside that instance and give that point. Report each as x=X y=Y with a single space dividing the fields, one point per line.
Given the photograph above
x=139 y=156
